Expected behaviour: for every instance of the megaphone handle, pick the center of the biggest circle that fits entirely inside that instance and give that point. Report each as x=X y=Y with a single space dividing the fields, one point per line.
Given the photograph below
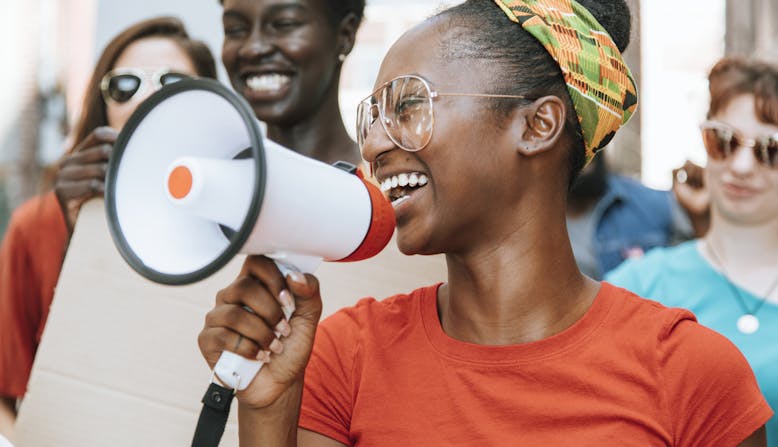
x=236 y=371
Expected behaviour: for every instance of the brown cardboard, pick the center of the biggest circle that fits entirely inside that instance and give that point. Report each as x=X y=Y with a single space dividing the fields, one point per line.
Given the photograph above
x=119 y=365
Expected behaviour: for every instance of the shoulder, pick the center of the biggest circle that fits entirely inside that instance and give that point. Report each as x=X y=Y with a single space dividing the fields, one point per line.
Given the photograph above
x=639 y=196
x=343 y=341
x=637 y=314
x=637 y=190
x=367 y=313
x=37 y=226
x=639 y=274
x=42 y=209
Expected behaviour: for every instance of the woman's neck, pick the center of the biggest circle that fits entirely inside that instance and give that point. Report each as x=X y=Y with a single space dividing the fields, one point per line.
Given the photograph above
x=328 y=144
x=520 y=289
x=746 y=254
x=321 y=135
x=744 y=245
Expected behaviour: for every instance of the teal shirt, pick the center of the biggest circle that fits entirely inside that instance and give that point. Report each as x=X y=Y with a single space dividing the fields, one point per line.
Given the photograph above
x=681 y=277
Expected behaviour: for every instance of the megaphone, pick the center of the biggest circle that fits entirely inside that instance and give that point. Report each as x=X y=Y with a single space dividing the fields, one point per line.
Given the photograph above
x=192 y=182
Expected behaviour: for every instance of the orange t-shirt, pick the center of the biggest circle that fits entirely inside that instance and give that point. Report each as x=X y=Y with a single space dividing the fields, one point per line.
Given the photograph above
x=630 y=372
x=30 y=261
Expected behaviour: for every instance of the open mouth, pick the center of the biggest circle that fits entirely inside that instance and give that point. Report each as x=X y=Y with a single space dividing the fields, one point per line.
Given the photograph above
x=267 y=82
x=398 y=188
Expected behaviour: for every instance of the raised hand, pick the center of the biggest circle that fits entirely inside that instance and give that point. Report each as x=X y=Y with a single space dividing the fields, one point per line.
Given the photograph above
x=81 y=174
x=246 y=318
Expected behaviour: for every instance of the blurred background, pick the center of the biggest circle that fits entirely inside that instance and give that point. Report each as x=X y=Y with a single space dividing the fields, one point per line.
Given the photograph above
x=48 y=49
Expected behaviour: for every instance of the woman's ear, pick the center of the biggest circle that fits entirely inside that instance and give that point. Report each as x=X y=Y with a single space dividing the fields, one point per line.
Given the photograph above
x=347 y=33
x=542 y=125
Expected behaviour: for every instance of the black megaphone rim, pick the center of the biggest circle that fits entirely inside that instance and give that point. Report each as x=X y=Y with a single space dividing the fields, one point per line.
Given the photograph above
x=240 y=237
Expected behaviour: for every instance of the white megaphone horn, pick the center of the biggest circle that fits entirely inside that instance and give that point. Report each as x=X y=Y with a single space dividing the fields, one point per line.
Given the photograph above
x=192 y=182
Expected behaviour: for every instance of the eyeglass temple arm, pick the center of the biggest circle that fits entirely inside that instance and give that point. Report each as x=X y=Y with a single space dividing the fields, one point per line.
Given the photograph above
x=478 y=95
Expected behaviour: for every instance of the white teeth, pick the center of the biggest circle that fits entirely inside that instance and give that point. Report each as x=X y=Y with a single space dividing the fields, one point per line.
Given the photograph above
x=267 y=82
x=412 y=179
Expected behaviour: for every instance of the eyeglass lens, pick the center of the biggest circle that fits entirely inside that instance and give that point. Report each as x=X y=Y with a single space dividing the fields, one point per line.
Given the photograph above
x=404 y=106
x=122 y=87
x=721 y=143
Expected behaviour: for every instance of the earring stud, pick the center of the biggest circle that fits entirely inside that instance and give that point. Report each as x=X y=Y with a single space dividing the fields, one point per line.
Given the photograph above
x=341 y=57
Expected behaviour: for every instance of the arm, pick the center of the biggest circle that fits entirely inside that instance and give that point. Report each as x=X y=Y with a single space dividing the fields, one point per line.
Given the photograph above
x=277 y=425
x=758 y=439
x=7 y=416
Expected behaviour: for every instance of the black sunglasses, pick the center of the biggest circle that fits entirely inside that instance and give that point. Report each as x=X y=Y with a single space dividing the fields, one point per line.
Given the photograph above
x=122 y=84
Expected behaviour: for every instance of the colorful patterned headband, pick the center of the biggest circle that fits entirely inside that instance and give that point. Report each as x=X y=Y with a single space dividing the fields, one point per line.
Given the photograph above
x=599 y=82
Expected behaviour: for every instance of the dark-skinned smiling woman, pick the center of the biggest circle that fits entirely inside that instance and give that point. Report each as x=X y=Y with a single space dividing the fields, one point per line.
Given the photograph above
x=285 y=58
x=493 y=107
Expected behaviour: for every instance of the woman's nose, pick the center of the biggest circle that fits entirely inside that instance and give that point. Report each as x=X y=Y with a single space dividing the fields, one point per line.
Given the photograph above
x=743 y=160
x=376 y=142
x=257 y=45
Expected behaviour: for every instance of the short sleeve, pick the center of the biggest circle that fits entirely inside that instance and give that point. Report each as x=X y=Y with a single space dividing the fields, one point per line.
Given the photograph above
x=18 y=311
x=329 y=391
x=711 y=393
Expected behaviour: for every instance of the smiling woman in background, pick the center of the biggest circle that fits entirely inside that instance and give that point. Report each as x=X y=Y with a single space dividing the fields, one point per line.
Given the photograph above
x=137 y=62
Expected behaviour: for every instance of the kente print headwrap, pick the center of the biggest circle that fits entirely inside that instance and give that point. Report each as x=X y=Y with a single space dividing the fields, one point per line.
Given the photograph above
x=599 y=82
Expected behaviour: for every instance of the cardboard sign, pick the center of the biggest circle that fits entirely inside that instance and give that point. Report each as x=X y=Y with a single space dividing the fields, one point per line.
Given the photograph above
x=119 y=364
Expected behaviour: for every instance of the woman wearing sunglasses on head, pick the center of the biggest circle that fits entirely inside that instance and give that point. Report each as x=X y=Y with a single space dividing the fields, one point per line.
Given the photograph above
x=133 y=65
x=481 y=118
x=729 y=278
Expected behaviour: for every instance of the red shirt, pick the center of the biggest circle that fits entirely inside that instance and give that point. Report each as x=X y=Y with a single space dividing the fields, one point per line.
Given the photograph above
x=30 y=261
x=630 y=372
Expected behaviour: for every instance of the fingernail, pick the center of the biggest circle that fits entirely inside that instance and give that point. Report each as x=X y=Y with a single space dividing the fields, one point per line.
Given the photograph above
x=285 y=297
x=263 y=356
x=299 y=278
x=283 y=329
x=287 y=303
x=277 y=347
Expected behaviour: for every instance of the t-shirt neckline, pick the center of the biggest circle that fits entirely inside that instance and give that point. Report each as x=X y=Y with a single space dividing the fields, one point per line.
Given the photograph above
x=552 y=346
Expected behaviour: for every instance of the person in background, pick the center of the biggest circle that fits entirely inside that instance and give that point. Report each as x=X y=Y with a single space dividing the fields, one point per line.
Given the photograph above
x=729 y=278
x=285 y=58
x=517 y=347
x=138 y=61
x=611 y=218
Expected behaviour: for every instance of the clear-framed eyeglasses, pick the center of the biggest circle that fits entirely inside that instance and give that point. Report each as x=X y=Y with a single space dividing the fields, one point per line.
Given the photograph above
x=404 y=106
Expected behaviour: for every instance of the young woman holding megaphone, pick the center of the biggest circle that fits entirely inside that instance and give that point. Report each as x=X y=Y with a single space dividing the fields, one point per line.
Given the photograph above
x=517 y=347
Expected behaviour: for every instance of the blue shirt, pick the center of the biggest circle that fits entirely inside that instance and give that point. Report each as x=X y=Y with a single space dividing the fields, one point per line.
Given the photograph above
x=680 y=277
x=630 y=218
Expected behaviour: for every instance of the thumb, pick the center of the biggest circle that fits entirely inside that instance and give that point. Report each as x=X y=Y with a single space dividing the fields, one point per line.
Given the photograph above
x=305 y=289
